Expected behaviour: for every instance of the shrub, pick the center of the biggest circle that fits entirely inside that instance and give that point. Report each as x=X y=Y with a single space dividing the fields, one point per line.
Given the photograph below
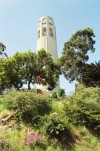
x=55 y=124
x=72 y=111
x=84 y=108
x=30 y=105
x=61 y=93
x=54 y=94
x=90 y=114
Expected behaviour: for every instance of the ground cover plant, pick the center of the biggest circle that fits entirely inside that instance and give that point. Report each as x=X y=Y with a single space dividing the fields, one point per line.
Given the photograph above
x=42 y=122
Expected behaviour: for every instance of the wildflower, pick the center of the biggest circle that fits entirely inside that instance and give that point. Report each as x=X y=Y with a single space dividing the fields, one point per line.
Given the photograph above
x=34 y=138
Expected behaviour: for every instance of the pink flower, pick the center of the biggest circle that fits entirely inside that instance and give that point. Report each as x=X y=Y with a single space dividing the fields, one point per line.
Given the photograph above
x=34 y=138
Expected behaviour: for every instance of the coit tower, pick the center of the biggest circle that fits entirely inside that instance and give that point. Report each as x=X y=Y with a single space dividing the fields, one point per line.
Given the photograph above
x=47 y=40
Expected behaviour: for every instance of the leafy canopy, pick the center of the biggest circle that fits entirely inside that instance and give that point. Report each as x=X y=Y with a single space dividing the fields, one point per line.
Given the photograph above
x=75 y=53
x=29 y=68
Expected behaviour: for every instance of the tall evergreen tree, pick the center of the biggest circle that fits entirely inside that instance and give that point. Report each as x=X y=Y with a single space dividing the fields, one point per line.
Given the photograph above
x=75 y=53
x=2 y=49
x=91 y=74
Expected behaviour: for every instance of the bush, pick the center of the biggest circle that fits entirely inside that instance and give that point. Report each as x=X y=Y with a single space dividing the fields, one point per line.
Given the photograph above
x=54 y=95
x=72 y=111
x=55 y=124
x=30 y=105
x=61 y=93
x=84 y=108
x=90 y=114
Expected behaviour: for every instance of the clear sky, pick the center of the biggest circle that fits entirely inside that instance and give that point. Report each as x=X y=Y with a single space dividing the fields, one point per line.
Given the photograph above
x=19 y=18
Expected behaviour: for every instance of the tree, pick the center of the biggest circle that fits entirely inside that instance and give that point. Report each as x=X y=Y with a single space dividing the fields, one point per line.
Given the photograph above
x=3 y=81
x=2 y=49
x=14 y=72
x=48 y=70
x=30 y=68
x=91 y=74
x=20 y=69
x=75 y=54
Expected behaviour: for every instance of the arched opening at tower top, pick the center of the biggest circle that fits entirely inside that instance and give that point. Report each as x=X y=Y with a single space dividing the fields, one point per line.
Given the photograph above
x=44 y=32
x=51 y=32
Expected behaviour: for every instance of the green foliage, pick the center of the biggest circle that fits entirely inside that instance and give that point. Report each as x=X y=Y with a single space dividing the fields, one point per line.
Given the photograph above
x=61 y=93
x=48 y=70
x=84 y=108
x=91 y=74
x=55 y=124
x=75 y=53
x=3 y=103
x=2 y=76
x=29 y=68
x=54 y=94
x=13 y=73
x=2 y=50
x=30 y=105
x=65 y=125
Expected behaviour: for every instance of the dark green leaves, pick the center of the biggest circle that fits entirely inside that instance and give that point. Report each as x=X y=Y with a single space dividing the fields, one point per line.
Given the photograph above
x=75 y=54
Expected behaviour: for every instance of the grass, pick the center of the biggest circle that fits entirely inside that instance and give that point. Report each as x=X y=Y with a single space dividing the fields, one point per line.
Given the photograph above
x=2 y=103
x=17 y=131
x=84 y=140
x=3 y=108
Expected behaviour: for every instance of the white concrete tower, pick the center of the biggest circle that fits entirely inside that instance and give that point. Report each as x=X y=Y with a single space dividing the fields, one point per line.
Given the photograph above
x=47 y=40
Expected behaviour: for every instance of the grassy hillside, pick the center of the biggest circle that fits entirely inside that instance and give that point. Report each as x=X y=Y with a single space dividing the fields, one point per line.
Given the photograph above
x=30 y=121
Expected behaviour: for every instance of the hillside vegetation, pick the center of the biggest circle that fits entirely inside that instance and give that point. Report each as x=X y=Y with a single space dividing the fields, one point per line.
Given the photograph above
x=30 y=121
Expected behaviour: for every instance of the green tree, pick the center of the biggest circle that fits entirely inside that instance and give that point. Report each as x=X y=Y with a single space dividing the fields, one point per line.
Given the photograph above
x=48 y=70
x=14 y=72
x=75 y=54
x=29 y=68
x=20 y=69
x=3 y=81
x=91 y=74
x=2 y=49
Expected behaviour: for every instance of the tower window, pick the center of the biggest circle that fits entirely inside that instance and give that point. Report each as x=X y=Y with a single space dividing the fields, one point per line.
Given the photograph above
x=50 y=22
x=38 y=33
x=50 y=32
x=43 y=21
x=44 y=31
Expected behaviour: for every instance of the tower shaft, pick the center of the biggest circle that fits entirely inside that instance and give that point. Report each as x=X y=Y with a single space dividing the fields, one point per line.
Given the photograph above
x=47 y=39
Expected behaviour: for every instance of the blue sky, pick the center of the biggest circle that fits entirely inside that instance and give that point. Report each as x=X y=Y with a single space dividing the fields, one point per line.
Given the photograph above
x=19 y=18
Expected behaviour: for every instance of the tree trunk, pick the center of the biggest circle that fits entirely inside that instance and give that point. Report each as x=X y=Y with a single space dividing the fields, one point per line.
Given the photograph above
x=29 y=87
